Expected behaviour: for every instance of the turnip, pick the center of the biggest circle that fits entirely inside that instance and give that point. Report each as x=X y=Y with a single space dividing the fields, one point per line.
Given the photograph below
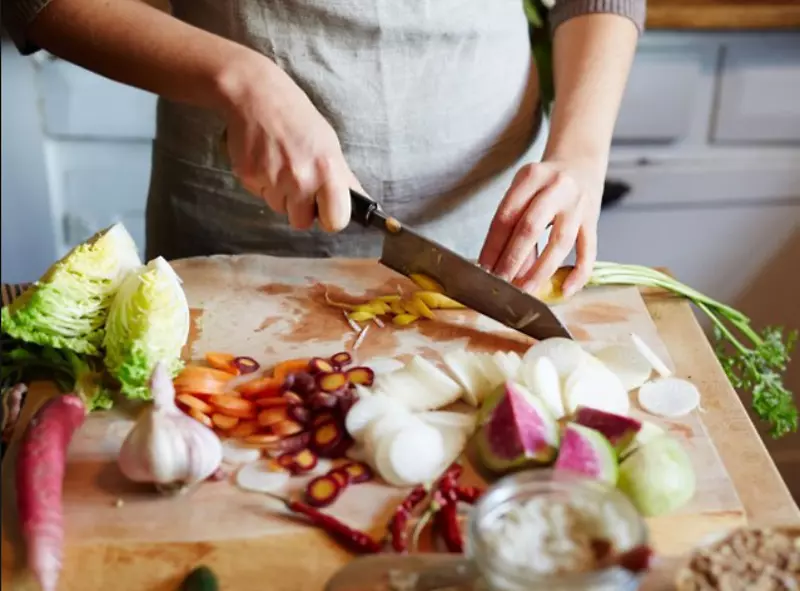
x=40 y=476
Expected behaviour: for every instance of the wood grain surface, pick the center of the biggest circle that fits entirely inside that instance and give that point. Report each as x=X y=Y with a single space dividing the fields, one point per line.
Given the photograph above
x=723 y=14
x=248 y=306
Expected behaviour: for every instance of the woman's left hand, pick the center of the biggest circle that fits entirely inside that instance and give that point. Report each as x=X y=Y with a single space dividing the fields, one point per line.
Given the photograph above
x=564 y=193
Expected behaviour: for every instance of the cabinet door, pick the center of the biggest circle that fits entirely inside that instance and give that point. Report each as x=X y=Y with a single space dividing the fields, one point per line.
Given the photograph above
x=759 y=93
x=101 y=183
x=662 y=93
x=79 y=104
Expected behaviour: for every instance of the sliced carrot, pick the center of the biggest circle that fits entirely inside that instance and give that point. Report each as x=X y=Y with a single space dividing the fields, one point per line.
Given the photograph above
x=243 y=429
x=201 y=417
x=199 y=385
x=222 y=362
x=261 y=387
x=262 y=439
x=194 y=402
x=287 y=427
x=272 y=416
x=233 y=406
x=285 y=368
x=196 y=371
x=272 y=402
x=223 y=421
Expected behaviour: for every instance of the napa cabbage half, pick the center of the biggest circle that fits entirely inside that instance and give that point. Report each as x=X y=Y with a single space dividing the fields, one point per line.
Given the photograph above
x=67 y=307
x=148 y=322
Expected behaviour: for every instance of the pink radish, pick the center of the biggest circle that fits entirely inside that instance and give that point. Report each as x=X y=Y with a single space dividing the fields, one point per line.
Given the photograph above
x=40 y=476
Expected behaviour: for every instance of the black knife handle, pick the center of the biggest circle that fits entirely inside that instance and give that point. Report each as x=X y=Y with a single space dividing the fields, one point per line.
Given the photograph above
x=363 y=208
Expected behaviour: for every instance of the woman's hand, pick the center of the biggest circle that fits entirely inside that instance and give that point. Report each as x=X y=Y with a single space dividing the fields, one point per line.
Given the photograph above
x=564 y=193
x=284 y=150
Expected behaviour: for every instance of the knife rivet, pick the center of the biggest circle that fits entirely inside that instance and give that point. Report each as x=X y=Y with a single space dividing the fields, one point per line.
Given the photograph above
x=393 y=225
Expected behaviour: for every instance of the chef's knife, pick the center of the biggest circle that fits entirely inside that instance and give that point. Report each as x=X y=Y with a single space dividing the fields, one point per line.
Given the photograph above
x=407 y=252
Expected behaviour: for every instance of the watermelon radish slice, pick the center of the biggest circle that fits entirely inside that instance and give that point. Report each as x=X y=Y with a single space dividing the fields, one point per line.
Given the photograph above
x=588 y=453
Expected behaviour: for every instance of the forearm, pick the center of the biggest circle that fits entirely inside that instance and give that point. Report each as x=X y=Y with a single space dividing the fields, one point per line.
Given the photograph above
x=592 y=56
x=136 y=44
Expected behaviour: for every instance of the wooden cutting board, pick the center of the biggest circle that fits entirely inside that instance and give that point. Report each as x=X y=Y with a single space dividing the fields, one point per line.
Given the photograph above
x=273 y=309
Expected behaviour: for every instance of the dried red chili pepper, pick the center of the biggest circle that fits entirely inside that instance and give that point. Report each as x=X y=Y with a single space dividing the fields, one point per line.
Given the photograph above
x=468 y=494
x=353 y=539
x=398 y=529
x=447 y=518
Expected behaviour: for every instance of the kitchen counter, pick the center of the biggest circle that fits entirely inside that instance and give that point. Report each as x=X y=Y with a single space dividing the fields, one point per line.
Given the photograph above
x=309 y=558
x=723 y=14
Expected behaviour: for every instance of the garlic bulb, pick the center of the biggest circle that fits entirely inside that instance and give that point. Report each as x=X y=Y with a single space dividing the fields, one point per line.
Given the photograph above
x=165 y=446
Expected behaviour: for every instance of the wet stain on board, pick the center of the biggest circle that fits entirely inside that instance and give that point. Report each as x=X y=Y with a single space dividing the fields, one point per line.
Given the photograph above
x=600 y=313
x=195 y=329
x=268 y=322
x=276 y=289
x=579 y=333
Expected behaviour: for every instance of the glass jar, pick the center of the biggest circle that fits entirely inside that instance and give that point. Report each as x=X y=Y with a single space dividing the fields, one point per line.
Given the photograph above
x=496 y=574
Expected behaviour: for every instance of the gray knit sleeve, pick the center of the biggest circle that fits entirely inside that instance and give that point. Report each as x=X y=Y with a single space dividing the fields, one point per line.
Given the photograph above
x=17 y=16
x=563 y=10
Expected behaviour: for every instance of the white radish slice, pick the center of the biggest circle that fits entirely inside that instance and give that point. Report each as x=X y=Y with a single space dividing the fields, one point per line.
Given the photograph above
x=655 y=361
x=404 y=388
x=455 y=441
x=450 y=420
x=235 y=453
x=506 y=365
x=381 y=365
x=566 y=355
x=413 y=455
x=364 y=392
x=541 y=378
x=385 y=426
x=465 y=370
x=494 y=375
x=442 y=389
x=595 y=386
x=669 y=397
x=368 y=408
x=627 y=362
x=258 y=477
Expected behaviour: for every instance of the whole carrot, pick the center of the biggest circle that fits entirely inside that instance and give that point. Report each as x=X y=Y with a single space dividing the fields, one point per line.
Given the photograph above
x=40 y=478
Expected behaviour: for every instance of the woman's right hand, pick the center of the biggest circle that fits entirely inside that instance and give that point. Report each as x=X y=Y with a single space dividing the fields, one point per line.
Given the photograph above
x=282 y=149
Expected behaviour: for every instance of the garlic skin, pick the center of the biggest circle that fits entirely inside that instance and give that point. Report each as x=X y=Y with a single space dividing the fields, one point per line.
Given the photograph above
x=166 y=447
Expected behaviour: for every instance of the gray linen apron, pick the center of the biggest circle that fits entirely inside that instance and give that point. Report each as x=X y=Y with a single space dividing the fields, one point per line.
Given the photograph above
x=435 y=103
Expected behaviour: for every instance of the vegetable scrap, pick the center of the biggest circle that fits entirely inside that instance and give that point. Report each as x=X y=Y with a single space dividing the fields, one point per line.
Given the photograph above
x=401 y=311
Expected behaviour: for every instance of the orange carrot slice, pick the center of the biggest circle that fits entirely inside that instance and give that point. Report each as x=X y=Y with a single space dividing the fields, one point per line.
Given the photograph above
x=223 y=421
x=261 y=387
x=199 y=385
x=285 y=368
x=272 y=402
x=201 y=417
x=286 y=428
x=262 y=439
x=233 y=406
x=222 y=362
x=243 y=429
x=193 y=402
x=197 y=371
x=272 y=416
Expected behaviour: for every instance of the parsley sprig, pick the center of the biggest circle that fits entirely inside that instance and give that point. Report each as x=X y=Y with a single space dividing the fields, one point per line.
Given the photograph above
x=754 y=362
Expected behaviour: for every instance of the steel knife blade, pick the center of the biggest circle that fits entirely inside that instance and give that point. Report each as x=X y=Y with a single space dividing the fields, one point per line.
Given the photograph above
x=407 y=252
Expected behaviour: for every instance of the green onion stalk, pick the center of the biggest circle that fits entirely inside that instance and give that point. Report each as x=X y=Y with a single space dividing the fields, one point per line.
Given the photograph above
x=754 y=362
